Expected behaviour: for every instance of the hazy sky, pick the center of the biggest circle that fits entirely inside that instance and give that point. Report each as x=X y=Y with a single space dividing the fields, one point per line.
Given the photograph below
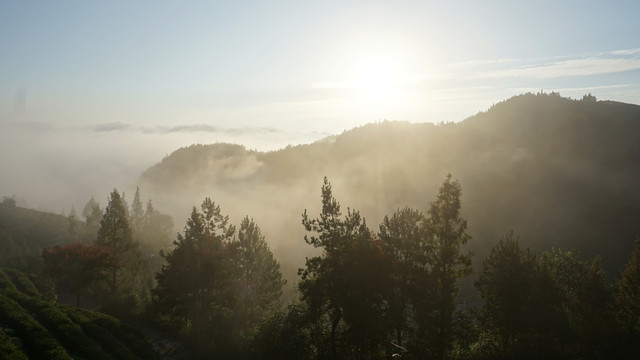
x=109 y=87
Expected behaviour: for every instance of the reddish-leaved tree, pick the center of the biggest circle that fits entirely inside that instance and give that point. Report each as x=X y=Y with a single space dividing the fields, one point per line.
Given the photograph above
x=76 y=267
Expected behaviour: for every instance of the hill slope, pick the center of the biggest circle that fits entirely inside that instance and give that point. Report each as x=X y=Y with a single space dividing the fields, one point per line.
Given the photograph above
x=31 y=327
x=25 y=232
x=559 y=172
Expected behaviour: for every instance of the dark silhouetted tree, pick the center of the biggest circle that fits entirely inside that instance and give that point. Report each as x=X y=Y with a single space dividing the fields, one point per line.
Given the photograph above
x=446 y=230
x=403 y=239
x=72 y=229
x=77 y=267
x=137 y=216
x=92 y=214
x=115 y=233
x=507 y=280
x=627 y=300
x=196 y=285
x=258 y=275
x=345 y=285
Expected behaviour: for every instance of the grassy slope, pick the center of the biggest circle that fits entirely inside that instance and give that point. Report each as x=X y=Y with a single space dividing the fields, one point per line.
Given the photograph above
x=31 y=327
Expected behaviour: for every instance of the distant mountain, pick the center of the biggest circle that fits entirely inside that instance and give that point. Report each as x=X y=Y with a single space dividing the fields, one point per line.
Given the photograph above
x=559 y=172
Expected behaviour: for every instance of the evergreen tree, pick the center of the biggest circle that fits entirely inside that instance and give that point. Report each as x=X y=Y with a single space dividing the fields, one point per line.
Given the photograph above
x=137 y=216
x=506 y=283
x=403 y=239
x=77 y=267
x=216 y=224
x=73 y=223
x=577 y=314
x=446 y=231
x=259 y=277
x=157 y=227
x=92 y=214
x=627 y=301
x=115 y=233
x=195 y=285
x=345 y=284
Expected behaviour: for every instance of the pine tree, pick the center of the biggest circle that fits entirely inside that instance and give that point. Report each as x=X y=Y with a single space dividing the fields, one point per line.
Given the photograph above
x=506 y=283
x=446 y=231
x=137 y=216
x=345 y=284
x=92 y=214
x=73 y=225
x=628 y=300
x=115 y=233
x=195 y=284
x=260 y=280
x=403 y=239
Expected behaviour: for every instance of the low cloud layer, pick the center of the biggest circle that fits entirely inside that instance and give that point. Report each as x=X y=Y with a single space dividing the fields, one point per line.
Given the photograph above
x=54 y=167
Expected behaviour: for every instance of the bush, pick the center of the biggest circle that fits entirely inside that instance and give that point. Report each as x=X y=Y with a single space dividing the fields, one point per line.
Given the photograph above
x=39 y=342
x=103 y=336
x=8 y=349
x=22 y=282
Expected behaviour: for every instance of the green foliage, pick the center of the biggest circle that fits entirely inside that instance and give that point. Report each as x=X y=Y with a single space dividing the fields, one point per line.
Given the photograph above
x=9 y=349
x=92 y=214
x=561 y=172
x=78 y=267
x=24 y=283
x=627 y=301
x=137 y=215
x=558 y=307
x=288 y=334
x=34 y=328
x=215 y=287
x=38 y=342
x=115 y=233
x=506 y=283
x=446 y=233
x=195 y=275
x=346 y=285
x=25 y=232
x=404 y=240
x=258 y=273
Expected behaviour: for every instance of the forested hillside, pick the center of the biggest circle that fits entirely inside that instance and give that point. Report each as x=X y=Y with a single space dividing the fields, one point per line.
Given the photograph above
x=559 y=172
x=24 y=233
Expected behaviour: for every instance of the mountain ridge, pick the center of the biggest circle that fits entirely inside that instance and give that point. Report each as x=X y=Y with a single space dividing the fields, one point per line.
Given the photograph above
x=559 y=172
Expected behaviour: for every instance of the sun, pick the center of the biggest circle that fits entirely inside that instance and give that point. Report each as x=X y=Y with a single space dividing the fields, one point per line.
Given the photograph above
x=377 y=78
x=375 y=75
x=379 y=84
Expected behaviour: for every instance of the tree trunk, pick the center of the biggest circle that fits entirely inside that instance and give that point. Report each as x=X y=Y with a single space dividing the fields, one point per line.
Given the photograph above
x=334 y=326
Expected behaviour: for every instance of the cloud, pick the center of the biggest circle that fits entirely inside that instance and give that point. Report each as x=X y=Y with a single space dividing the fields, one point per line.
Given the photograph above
x=190 y=128
x=592 y=64
x=592 y=88
x=578 y=67
x=626 y=52
x=109 y=127
x=205 y=128
x=484 y=62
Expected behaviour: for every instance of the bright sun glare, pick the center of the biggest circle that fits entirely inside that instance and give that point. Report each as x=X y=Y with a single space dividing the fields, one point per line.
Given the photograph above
x=377 y=78
x=379 y=84
x=376 y=72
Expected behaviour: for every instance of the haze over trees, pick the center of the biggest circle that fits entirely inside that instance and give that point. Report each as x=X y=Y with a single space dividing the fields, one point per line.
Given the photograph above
x=427 y=278
x=569 y=161
x=215 y=287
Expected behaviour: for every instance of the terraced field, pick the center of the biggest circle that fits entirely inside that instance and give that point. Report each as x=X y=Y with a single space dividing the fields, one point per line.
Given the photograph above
x=33 y=328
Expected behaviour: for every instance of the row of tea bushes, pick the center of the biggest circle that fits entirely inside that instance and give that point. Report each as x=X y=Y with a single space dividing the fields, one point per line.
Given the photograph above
x=31 y=327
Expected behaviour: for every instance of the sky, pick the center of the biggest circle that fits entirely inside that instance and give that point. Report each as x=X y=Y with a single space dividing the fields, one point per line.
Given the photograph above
x=94 y=92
